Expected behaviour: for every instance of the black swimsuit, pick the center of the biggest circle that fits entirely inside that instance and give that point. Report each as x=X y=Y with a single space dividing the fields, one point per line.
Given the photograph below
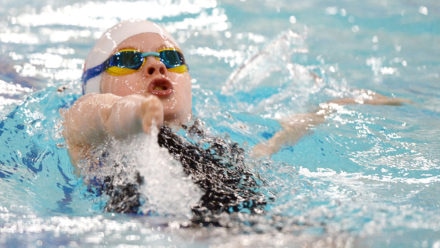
x=218 y=169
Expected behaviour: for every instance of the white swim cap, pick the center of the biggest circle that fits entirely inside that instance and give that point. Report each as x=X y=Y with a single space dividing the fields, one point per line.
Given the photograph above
x=110 y=40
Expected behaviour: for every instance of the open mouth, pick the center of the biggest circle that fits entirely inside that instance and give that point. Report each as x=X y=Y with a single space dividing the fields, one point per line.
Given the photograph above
x=160 y=87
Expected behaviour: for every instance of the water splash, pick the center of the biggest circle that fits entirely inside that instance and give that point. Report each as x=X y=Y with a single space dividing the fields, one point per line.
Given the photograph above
x=166 y=189
x=274 y=58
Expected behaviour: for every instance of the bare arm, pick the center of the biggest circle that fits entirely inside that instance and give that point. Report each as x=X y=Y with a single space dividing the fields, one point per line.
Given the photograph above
x=296 y=126
x=96 y=117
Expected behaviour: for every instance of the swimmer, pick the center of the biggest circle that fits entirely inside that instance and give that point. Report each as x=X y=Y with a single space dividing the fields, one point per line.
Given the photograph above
x=136 y=79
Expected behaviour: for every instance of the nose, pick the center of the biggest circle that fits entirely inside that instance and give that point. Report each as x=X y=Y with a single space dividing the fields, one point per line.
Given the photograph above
x=154 y=66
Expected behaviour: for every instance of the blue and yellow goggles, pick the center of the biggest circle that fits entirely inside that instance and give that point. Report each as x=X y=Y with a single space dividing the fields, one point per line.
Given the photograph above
x=127 y=61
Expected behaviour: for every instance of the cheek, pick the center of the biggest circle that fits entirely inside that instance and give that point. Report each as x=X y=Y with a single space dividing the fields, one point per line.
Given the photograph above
x=121 y=85
x=184 y=88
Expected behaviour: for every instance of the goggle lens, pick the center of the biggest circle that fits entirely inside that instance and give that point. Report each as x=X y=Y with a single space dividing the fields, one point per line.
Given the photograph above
x=128 y=61
x=171 y=58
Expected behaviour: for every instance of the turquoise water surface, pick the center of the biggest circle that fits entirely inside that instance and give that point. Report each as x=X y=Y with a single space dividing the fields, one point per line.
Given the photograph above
x=368 y=177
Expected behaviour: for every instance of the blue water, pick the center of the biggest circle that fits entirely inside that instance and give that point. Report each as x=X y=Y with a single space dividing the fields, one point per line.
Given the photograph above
x=368 y=177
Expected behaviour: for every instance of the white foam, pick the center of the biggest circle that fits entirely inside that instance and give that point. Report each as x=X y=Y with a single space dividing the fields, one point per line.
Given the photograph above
x=168 y=190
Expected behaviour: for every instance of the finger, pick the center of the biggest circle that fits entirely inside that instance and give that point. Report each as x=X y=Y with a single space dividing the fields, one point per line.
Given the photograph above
x=152 y=114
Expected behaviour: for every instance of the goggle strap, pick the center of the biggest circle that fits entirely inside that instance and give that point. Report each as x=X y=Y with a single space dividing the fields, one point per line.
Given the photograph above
x=93 y=72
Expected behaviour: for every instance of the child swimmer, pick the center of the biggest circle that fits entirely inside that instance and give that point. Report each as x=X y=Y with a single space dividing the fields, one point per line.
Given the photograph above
x=135 y=80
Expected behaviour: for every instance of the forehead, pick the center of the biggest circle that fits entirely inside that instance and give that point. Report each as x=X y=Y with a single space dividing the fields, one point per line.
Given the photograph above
x=147 y=42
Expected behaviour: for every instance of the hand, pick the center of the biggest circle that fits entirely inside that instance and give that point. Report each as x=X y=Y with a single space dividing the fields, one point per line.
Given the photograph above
x=134 y=114
x=374 y=98
x=151 y=112
x=371 y=98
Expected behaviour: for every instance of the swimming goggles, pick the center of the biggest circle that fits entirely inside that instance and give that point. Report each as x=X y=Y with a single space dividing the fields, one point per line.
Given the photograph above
x=128 y=61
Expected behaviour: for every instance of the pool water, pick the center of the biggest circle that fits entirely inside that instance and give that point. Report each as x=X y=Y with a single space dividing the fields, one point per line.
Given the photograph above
x=368 y=177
